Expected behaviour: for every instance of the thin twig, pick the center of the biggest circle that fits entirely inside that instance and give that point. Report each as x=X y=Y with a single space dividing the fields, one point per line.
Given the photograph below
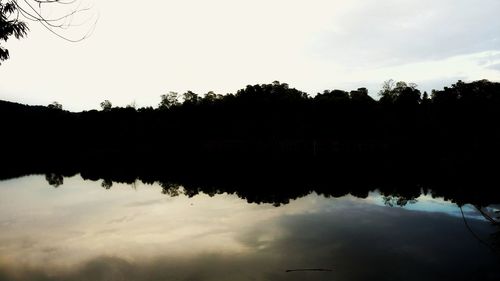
x=308 y=269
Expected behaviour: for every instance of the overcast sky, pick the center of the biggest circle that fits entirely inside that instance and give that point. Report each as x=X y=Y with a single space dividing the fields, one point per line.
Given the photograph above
x=140 y=50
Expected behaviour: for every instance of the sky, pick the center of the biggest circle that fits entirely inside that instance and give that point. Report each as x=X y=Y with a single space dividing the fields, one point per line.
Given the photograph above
x=138 y=52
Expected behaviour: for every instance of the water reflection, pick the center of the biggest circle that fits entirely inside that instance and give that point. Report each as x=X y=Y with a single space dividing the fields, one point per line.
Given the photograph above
x=85 y=232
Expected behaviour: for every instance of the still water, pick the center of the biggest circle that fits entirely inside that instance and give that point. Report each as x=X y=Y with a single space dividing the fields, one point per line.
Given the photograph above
x=82 y=231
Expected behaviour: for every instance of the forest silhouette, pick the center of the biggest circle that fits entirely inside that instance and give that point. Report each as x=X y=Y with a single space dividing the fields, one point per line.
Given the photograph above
x=270 y=137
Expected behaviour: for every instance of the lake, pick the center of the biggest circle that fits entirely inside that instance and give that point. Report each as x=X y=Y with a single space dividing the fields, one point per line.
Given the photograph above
x=81 y=230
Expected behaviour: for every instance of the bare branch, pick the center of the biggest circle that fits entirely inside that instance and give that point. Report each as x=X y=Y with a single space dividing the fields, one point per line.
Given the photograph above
x=33 y=10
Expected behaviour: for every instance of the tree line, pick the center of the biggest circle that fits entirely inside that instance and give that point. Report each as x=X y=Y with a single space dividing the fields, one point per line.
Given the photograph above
x=271 y=129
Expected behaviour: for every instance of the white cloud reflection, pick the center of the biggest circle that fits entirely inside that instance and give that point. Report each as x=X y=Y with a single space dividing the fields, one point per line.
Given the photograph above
x=81 y=231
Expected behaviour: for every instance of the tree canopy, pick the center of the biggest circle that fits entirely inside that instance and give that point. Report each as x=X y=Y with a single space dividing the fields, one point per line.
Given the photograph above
x=450 y=136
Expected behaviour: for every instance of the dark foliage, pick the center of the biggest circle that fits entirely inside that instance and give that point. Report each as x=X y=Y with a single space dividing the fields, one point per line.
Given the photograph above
x=272 y=138
x=10 y=25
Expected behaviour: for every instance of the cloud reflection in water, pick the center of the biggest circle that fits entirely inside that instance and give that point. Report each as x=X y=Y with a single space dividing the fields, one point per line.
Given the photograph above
x=84 y=232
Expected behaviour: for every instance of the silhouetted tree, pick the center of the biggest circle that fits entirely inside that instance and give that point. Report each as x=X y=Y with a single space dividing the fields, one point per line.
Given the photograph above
x=361 y=95
x=106 y=183
x=106 y=105
x=409 y=95
x=54 y=179
x=425 y=98
x=10 y=25
x=132 y=105
x=55 y=105
x=190 y=98
x=387 y=93
x=399 y=92
x=169 y=100
x=171 y=189
x=211 y=97
x=393 y=200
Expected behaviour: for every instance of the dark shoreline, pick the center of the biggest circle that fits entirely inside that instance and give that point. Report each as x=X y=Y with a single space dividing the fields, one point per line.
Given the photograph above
x=270 y=141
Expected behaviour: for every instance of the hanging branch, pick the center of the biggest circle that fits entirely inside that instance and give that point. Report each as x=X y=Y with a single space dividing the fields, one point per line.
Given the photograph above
x=33 y=10
x=10 y=25
x=70 y=13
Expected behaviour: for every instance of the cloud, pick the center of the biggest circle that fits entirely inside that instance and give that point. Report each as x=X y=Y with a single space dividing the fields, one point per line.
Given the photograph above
x=359 y=241
x=489 y=58
x=369 y=242
x=147 y=202
x=495 y=66
x=399 y=32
